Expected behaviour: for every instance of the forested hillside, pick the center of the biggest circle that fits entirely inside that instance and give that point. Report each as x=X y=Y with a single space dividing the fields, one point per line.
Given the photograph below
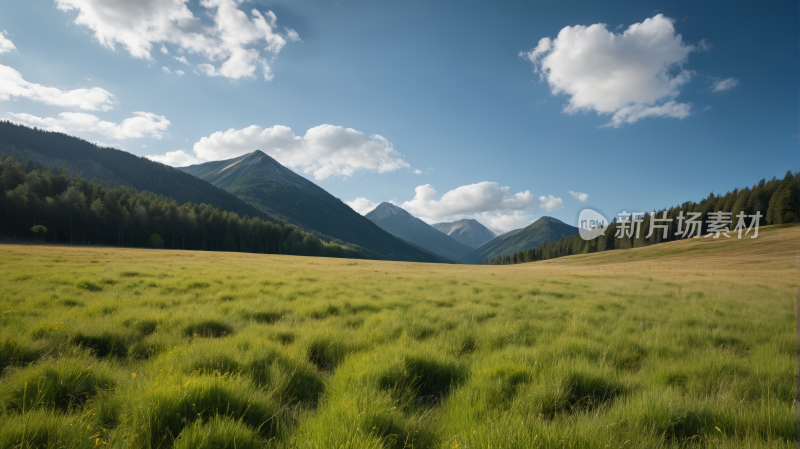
x=777 y=201
x=50 y=205
x=121 y=168
x=109 y=164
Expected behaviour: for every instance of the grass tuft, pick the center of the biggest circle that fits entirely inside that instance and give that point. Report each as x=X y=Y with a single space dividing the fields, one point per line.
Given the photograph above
x=88 y=286
x=208 y=329
x=102 y=345
x=63 y=384
x=220 y=432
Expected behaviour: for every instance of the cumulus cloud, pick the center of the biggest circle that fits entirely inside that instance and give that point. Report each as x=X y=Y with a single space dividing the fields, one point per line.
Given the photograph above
x=580 y=196
x=5 y=43
x=498 y=222
x=477 y=198
x=503 y=223
x=723 y=85
x=417 y=172
x=362 y=205
x=13 y=85
x=634 y=74
x=143 y=124
x=180 y=72
x=323 y=151
x=236 y=42
x=177 y=158
x=550 y=203
x=182 y=60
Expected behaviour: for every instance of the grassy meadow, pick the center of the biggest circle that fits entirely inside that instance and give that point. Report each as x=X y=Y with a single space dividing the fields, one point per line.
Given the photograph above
x=684 y=344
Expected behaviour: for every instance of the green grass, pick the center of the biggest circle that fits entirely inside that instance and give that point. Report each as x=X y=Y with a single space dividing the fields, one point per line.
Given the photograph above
x=686 y=344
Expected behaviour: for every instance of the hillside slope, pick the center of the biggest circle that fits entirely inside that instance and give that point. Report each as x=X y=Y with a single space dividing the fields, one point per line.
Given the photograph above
x=263 y=181
x=399 y=223
x=467 y=231
x=116 y=166
x=544 y=229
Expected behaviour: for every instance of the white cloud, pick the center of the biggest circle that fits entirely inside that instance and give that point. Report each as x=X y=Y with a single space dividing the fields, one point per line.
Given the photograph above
x=550 y=203
x=631 y=114
x=13 y=85
x=292 y=35
x=362 y=205
x=208 y=70
x=5 y=43
x=324 y=150
x=580 y=196
x=164 y=49
x=143 y=124
x=632 y=75
x=175 y=158
x=235 y=40
x=723 y=85
x=417 y=172
x=498 y=222
x=170 y=72
x=469 y=199
x=506 y=222
x=181 y=59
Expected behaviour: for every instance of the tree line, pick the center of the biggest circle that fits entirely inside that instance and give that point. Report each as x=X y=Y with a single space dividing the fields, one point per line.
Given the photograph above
x=50 y=205
x=779 y=198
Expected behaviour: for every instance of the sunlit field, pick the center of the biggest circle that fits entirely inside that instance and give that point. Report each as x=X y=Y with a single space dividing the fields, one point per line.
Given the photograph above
x=680 y=344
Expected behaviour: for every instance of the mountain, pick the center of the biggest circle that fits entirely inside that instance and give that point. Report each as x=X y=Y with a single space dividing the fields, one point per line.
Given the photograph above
x=115 y=166
x=399 y=223
x=544 y=229
x=467 y=231
x=265 y=183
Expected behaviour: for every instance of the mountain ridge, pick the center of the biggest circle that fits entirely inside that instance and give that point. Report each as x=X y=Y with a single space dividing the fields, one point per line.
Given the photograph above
x=401 y=224
x=544 y=229
x=263 y=182
x=56 y=149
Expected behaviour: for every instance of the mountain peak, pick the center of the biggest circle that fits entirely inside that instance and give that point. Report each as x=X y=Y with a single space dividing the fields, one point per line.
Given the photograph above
x=543 y=229
x=467 y=231
x=547 y=219
x=257 y=156
x=397 y=221
x=386 y=210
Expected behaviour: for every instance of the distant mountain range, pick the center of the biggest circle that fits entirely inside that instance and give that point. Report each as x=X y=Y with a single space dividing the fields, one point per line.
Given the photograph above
x=467 y=231
x=399 y=223
x=544 y=229
x=257 y=185
x=264 y=182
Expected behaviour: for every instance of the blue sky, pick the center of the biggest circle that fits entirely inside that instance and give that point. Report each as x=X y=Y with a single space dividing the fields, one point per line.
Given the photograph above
x=699 y=96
